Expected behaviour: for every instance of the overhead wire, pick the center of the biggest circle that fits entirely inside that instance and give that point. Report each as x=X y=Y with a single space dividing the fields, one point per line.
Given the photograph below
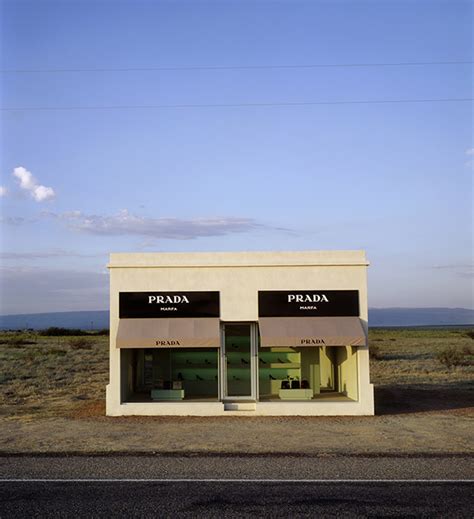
x=233 y=67
x=234 y=105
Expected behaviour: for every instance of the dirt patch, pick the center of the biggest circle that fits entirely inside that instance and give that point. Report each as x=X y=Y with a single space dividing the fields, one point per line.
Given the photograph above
x=94 y=409
x=412 y=434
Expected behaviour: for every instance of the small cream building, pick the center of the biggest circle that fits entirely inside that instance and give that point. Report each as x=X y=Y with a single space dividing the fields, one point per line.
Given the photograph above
x=247 y=333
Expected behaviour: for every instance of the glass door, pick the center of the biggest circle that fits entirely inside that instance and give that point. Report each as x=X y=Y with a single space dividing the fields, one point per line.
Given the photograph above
x=238 y=362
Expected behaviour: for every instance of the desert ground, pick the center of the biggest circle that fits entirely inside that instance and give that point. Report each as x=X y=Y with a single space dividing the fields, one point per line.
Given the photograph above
x=52 y=400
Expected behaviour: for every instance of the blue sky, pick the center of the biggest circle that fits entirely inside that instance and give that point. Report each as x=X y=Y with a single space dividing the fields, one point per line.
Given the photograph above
x=394 y=179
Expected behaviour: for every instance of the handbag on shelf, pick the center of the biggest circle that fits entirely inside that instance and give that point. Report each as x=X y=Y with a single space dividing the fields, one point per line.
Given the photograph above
x=295 y=384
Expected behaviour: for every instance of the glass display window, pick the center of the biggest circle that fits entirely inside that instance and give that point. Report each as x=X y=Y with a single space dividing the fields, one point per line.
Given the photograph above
x=307 y=373
x=170 y=374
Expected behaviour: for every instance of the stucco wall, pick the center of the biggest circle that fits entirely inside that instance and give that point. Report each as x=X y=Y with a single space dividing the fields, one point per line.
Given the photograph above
x=238 y=277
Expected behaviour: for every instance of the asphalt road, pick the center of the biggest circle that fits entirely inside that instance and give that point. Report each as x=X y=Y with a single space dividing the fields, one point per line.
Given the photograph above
x=235 y=486
x=234 y=499
x=236 y=467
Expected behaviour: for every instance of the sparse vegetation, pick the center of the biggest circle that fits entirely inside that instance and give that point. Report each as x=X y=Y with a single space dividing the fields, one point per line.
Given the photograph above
x=54 y=331
x=450 y=357
x=374 y=351
x=17 y=339
x=103 y=331
x=409 y=357
x=52 y=399
x=51 y=376
x=453 y=356
x=81 y=343
x=54 y=376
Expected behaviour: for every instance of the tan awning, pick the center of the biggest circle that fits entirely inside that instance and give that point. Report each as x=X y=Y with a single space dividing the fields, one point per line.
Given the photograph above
x=311 y=331
x=169 y=333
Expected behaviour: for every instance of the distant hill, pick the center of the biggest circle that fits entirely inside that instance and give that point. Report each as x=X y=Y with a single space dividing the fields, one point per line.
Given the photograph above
x=420 y=316
x=96 y=320
x=99 y=319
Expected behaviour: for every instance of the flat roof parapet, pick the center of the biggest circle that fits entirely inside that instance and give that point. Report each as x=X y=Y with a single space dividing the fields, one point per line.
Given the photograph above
x=237 y=259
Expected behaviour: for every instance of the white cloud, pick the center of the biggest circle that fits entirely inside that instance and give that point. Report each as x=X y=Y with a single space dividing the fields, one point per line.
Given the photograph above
x=29 y=183
x=125 y=223
x=3 y=191
x=41 y=193
x=470 y=151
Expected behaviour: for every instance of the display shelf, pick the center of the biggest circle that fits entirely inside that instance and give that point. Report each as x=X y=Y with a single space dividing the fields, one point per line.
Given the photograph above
x=276 y=365
x=279 y=365
x=176 y=367
x=280 y=350
x=295 y=394
x=167 y=394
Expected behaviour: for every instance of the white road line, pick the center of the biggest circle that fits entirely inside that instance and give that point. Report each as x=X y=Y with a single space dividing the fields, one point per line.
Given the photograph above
x=211 y=480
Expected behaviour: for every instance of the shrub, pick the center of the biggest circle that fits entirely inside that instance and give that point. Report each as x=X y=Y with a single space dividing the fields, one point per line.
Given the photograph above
x=470 y=334
x=104 y=331
x=467 y=350
x=54 y=331
x=17 y=339
x=54 y=351
x=451 y=357
x=374 y=352
x=81 y=343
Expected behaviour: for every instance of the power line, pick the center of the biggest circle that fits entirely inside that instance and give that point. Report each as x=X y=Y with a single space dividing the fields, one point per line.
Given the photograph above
x=238 y=67
x=232 y=105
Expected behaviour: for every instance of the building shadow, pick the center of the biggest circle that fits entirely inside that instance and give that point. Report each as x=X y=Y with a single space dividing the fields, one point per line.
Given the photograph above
x=423 y=398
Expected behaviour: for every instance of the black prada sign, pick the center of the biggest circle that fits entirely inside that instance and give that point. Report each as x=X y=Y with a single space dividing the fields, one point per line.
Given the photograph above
x=168 y=304
x=300 y=303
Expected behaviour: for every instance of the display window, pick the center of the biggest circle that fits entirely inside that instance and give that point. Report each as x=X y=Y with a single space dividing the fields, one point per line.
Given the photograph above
x=307 y=373
x=167 y=374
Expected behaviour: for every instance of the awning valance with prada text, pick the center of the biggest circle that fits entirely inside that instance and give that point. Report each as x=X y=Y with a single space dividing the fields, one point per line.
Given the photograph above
x=169 y=333
x=311 y=331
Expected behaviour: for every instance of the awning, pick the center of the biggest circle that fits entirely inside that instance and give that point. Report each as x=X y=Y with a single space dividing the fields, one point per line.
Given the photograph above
x=311 y=331
x=169 y=333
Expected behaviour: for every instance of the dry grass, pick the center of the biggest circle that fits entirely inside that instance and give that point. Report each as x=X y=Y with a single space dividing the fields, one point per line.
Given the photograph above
x=66 y=377
x=52 y=376
x=411 y=357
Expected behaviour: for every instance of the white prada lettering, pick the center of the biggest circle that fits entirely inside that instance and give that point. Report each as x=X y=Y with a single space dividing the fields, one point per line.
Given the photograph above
x=307 y=298
x=165 y=300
